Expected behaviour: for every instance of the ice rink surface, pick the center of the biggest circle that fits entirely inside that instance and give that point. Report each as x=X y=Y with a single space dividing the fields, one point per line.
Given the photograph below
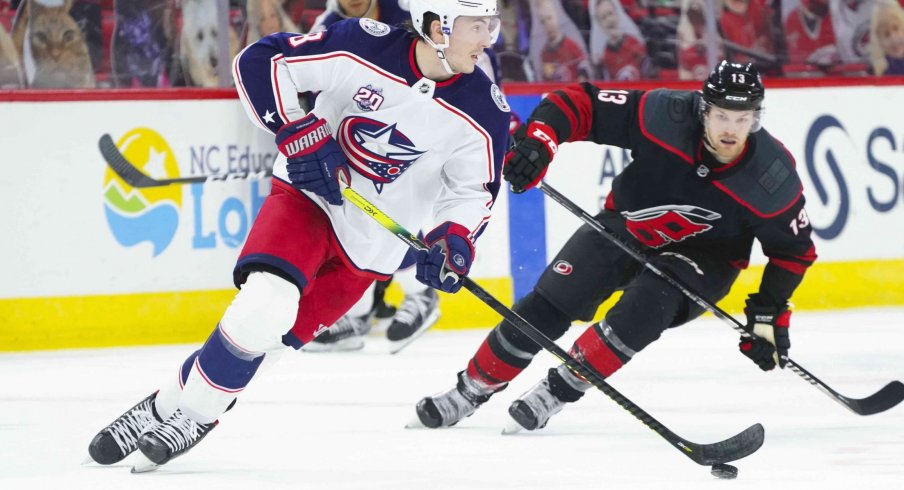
x=336 y=421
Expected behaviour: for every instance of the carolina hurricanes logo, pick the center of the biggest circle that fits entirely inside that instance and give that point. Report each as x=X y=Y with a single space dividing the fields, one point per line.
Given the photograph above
x=563 y=267
x=376 y=150
x=659 y=226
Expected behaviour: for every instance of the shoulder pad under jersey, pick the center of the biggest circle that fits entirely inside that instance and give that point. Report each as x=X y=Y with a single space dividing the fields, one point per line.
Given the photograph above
x=768 y=184
x=668 y=118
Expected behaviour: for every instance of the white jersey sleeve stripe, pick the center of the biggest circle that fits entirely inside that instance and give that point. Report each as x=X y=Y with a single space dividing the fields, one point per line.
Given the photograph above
x=277 y=93
x=243 y=94
x=474 y=232
x=344 y=54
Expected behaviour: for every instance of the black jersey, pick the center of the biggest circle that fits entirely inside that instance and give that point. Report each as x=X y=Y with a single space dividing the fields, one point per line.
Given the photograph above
x=674 y=195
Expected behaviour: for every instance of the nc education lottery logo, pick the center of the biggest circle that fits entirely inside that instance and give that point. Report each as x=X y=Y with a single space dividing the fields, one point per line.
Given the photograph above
x=223 y=188
x=144 y=215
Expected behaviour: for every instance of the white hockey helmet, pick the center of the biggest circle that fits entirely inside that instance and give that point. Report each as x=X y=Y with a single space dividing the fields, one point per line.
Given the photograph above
x=448 y=11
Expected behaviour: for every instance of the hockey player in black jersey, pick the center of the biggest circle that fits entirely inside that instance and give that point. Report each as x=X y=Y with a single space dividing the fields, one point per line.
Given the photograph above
x=705 y=181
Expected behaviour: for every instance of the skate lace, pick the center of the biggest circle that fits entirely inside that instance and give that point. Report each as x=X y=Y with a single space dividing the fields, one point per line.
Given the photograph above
x=543 y=403
x=126 y=429
x=348 y=326
x=414 y=306
x=453 y=406
x=179 y=432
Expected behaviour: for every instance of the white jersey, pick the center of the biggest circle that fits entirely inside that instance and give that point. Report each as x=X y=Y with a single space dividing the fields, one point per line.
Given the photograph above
x=424 y=152
x=850 y=21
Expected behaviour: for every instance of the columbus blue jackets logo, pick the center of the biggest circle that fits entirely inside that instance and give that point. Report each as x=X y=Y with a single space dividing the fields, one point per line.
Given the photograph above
x=376 y=150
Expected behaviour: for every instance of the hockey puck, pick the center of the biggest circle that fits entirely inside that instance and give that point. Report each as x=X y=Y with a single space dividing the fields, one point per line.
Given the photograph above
x=724 y=471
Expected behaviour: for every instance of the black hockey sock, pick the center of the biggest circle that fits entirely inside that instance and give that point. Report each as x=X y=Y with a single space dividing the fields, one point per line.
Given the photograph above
x=561 y=388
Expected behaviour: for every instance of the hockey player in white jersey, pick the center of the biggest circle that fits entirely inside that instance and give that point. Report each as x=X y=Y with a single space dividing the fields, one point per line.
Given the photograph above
x=403 y=118
x=419 y=309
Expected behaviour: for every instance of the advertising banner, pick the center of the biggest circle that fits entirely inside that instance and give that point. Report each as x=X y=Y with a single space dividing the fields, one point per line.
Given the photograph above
x=86 y=253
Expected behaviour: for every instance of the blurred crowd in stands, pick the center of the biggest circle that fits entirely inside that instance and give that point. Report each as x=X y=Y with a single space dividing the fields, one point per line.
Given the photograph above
x=175 y=43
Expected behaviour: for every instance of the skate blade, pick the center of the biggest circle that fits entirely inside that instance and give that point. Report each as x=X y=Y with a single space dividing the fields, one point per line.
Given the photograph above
x=415 y=423
x=512 y=428
x=345 y=345
x=398 y=345
x=87 y=461
x=143 y=464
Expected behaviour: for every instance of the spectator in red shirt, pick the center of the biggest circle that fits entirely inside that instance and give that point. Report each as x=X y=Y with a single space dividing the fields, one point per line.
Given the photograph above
x=561 y=57
x=616 y=45
x=746 y=24
x=699 y=45
x=809 y=36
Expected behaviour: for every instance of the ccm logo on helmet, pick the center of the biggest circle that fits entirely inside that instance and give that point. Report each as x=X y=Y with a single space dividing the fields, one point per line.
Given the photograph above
x=563 y=267
x=735 y=97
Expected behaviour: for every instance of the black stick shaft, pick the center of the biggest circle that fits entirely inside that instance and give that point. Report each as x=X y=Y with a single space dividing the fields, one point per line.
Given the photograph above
x=737 y=447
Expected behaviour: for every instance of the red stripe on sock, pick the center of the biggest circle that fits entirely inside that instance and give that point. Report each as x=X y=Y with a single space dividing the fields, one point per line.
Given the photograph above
x=591 y=348
x=486 y=367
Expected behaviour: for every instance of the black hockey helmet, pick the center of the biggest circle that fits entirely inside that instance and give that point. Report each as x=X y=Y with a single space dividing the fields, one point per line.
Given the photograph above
x=736 y=87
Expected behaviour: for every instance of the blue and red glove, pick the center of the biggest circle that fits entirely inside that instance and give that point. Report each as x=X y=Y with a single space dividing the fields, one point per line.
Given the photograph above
x=315 y=161
x=448 y=260
x=770 y=325
x=527 y=162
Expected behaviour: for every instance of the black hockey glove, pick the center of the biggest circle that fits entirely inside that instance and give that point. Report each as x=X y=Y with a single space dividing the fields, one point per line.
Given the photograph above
x=526 y=163
x=770 y=325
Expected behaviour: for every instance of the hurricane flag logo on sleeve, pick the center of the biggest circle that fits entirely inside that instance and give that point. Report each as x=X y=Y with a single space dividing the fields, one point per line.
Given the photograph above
x=376 y=150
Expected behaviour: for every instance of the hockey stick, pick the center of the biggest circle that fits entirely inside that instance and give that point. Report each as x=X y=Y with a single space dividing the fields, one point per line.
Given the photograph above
x=736 y=447
x=136 y=178
x=880 y=401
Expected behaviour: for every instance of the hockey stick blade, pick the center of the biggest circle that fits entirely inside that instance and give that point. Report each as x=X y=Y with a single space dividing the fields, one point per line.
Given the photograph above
x=734 y=448
x=880 y=401
x=136 y=178
x=884 y=399
x=888 y=397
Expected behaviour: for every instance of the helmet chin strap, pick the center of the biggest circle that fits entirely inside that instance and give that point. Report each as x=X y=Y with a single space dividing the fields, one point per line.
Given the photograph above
x=441 y=52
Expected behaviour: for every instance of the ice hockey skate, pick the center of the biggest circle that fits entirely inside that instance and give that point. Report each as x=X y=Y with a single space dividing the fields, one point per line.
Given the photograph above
x=171 y=438
x=448 y=408
x=533 y=409
x=415 y=316
x=347 y=334
x=120 y=439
